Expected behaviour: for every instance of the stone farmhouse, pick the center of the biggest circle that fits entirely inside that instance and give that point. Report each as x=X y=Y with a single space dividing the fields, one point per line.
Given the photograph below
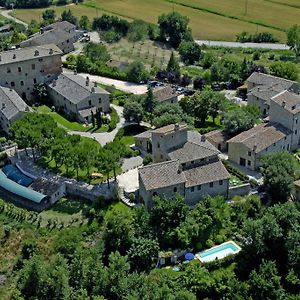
x=247 y=148
x=262 y=87
x=12 y=107
x=281 y=133
x=62 y=34
x=78 y=96
x=185 y=163
x=165 y=94
x=21 y=69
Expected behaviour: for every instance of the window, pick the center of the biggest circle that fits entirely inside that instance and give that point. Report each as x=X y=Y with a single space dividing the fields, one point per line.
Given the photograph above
x=220 y=182
x=285 y=138
x=199 y=187
x=12 y=83
x=249 y=153
x=296 y=131
x=8 y=70
x=19 y=69
x=90 y=102
x=192 y=162
x=40 y=59
x=34 y=80
x=274 y=144
x=158 y=145
x=33 y=66
x=154 y=194
x=161 y=156
x=192 y=189
x=249 y=162
x=175 y=189
x=183 y=165
x=296 y=121
x=42 y=71
x=22 y=82
x=100 y=100
x=211 y=184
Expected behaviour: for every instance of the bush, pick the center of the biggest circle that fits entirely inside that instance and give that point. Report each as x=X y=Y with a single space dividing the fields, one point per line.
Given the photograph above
x=209 y=243
x=147 y=159
x=114 y=120
x=256 y=55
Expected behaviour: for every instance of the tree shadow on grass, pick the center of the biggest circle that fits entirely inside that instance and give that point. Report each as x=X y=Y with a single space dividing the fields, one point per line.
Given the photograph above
x=71 y=206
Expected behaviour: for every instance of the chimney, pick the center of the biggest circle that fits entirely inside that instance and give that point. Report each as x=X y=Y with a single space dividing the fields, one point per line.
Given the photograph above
x=179 y=171
x=87 y=81
x=93 y=90
x=54 y=83
x=3 y=106
x=254 y=147
x=36 y=53
x=283 y=103
x=203 y=138
x=95 y=84
x=51 y=51
x=14 y=56
x=176 y=127
x=75 y=72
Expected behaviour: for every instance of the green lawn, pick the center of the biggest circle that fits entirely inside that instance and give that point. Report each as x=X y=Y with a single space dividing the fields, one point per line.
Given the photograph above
x=214 y=20
x=66 y=124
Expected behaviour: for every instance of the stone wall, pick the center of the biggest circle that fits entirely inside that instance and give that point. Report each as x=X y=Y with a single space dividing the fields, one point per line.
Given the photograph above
x=241 y=190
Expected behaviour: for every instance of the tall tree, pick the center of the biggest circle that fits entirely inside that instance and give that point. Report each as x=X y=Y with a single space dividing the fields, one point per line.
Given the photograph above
x=293 y=38
x=173 y=65
x=278 y=170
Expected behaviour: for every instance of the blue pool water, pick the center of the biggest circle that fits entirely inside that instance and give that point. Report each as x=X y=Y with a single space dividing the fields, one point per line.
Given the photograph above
x=219 y=252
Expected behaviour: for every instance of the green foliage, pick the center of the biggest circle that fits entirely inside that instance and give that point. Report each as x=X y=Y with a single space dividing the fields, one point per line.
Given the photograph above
x=190 y=52
x=84 y=23
x=138 y=31
x=261 y=37
x=48 y=16
x=278 y=170
x=136 y=72
x=293 y=38
x=173 y=65
x=96 y=52
x=174 y=28
x=133 y=112
x=287 y=70
x=67 y=15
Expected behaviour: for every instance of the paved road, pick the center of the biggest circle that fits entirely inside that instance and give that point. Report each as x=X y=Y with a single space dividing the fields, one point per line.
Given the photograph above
x=243 y=45
x=6 y=13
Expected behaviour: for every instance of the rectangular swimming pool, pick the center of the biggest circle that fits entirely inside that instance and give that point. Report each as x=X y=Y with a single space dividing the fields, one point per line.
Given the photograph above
x=218 y=252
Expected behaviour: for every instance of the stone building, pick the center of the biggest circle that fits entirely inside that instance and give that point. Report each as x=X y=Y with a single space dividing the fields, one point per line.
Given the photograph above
x=12 y=107
x=262 y=87
x=62 y=34
x=165 y=94
x=143 y=141
x=285 y=110
x=248 y=147
x=21 y=69
x=78 y=96
x=185 y=163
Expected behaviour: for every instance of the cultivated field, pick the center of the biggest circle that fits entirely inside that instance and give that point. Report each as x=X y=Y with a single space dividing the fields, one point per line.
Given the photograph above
x=218 y=19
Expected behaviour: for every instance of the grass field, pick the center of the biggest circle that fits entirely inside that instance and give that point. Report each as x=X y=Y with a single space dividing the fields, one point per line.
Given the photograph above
x=218 y=19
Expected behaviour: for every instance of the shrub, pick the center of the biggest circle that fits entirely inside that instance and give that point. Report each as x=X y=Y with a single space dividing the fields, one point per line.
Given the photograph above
x=147 y=159
x=114 y=120
x=209 y=243
x=256 y=55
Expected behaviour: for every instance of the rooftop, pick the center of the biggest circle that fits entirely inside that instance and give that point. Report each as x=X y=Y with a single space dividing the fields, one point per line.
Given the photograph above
x=44 y=186
x=11 y=103
x=63 y=25
x=144 y=135
x=164 y=93
x=261 y=136
x=170 y=128
x=217 y=136
x=290 y=101
x=266 y=79
x=205 y=174
x=266 y=92
x=162 y=175
x=192 y=151
x=28 y=53
x=75 y=88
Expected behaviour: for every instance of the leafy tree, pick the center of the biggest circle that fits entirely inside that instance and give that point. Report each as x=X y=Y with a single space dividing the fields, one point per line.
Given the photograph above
x=96 y=52
x=185 y=80
x=118 y=230
x=143 y=253
x=174 y=28
x=84 y=23
x=287 y=70
x=293 y=38
x=67 y=15
x=208 y=59
x=17 y=38
x=138 y=31
x=265 y=284
x=40 y=92
x=133 y=112
x=190 y=52
x=278 y=171
x=136 y=72
x=48 y=16
x=33 y=27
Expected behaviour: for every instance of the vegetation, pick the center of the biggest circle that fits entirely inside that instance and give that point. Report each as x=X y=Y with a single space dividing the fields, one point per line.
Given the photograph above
x=113 y=255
